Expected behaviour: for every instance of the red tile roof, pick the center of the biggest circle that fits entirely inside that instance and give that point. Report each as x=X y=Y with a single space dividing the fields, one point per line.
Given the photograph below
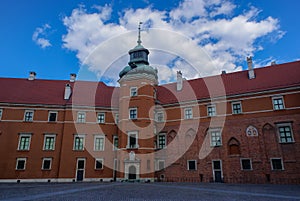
x=267 y=78
x=51 y=92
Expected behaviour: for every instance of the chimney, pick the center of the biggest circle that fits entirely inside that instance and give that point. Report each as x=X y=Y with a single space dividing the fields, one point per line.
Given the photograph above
x=72 y=77
x=68 y=92
x=179 y=81
x=251 y=74
x=223 y=72
x=31 y=75
x=273 y=63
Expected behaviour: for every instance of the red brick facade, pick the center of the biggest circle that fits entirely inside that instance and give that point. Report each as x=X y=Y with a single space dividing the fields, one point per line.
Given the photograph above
x=225 y=128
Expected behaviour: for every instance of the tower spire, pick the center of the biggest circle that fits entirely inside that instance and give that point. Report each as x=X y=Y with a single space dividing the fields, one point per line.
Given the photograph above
x=139 y=35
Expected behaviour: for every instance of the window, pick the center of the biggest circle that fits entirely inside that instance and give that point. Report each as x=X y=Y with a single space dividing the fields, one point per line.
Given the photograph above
x=285 y=133
x=211 y=110
x=28 y=116
x=192 y=165
x=79 y=142
x=132 y=140
x=161 y=138
x=236 y=107
x=21 y=164
x=49 y=142
x=1 y=114
x=278 y=103
x=117 y=118
x=133 y=113
x=46 y=163
x=215 y=137
x=116 y=142
x=276 y=164
x=81 y=117
x=159 y=116
x=24 y=142
x=101 y=118
x=99 y=143
x=98 y=163
x=246 y=164
x=161 y=165
x=133 y=91
x=188 y=113
x=52 y=116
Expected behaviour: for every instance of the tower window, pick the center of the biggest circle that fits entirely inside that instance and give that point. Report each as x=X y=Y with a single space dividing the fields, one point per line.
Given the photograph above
x=133 y=113
x=132 y=142
x=133 y=91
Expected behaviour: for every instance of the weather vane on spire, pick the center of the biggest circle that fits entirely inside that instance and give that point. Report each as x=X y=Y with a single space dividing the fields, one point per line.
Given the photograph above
x=139 y=36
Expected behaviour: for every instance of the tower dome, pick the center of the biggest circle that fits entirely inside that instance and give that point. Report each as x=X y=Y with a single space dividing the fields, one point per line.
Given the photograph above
x=138 y=62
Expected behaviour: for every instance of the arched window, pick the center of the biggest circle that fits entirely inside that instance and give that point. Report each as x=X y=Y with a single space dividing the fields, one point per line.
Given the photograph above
x=234 y=147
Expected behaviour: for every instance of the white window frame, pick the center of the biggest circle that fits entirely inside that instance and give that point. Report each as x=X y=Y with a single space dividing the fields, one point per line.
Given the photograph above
x=52 y=112
x=215 y=110
x=158 y=145
x=278 y=126
x=21 y=159
x=271 y=162
x=101 y=121
x=103 y=142
x=74 y=143
x=241 y=162
x=136 y=113
x=25 y=118
x=114 y=140
x=102 y=162
x=188 y=165
x=159 y=117
x=45 y=137
x=277 y=98
x=44 y=159
x=236 y=103
x=214 y=130
x=20 y=137
x=131 y=133
x=158 y=164
x=188 y=113
x=133 y=91
x=1 y=113
x=81 y=120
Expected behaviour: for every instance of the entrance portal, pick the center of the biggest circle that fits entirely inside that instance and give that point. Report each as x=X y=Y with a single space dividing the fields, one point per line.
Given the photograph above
x=132 y=173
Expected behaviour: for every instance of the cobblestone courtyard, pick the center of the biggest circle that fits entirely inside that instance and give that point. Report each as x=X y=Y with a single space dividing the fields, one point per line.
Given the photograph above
x=147 y=191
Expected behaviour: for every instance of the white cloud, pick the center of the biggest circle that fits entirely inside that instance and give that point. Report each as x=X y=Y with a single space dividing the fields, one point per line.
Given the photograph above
x=39 y=36
x=199 y=37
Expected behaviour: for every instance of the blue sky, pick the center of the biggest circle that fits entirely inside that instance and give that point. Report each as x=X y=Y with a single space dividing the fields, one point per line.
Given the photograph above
x=55 y=38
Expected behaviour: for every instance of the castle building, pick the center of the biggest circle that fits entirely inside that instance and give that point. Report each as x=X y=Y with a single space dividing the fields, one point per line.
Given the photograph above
x=241 y=127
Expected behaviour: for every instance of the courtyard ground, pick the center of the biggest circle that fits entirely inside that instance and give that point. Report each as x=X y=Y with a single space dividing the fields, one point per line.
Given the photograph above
x=147 y=191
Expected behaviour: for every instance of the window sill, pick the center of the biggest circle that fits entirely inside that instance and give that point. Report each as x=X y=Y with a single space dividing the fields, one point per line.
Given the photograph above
x=287 y=142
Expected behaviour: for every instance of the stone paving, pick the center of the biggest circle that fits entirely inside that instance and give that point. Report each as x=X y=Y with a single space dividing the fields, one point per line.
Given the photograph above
x=147 y=191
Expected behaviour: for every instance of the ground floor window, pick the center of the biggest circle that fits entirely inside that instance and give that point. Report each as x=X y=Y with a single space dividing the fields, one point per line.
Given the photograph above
x=276 y=164
x=99 y=164
x=246 y=164
x=21 y=164
x=192 y=165
x=47 y=163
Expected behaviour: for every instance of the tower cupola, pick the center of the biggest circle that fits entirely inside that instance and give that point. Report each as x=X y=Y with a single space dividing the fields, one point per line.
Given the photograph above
x=138 y=60
x=139 y=54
